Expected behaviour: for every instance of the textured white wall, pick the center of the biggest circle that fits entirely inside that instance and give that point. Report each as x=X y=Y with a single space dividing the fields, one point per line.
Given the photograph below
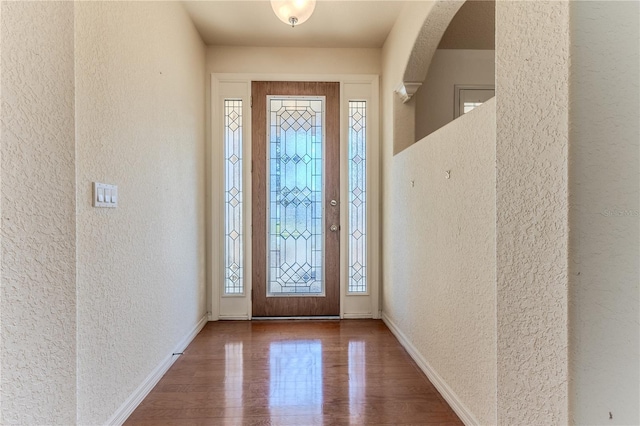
x=37 y=300
x=398 y=124
x=604 y=184
x=291 y=60
x=282 y=61
x=435 y=98
x=442 y=255
x=395 y=54
x=140 y=99
x=439 y=250
x=532 y=87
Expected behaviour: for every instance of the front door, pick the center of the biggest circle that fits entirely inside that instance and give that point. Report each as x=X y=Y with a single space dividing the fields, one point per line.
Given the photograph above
x=296 y=189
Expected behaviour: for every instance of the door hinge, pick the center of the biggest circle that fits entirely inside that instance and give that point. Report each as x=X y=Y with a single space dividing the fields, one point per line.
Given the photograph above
x=251 y=166
x=251 y=101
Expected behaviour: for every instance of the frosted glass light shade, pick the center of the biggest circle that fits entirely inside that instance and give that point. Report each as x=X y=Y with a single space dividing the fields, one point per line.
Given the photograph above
x=293 y=12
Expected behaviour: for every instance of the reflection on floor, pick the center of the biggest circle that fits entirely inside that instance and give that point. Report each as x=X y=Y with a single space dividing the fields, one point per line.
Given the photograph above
x=295 y=378
x=350 y=372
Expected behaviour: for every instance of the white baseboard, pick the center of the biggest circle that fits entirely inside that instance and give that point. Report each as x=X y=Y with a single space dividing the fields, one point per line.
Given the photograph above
x=131 y=403
x=447 y=393
x=233 y=318
x=357 y=316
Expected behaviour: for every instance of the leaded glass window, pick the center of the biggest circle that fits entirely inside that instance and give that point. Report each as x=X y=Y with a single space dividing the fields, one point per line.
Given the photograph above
x=295 y=234
x=233 y=229
x=357 y=197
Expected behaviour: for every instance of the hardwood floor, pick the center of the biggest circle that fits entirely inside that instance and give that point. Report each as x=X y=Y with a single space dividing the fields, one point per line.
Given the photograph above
x=350 y=372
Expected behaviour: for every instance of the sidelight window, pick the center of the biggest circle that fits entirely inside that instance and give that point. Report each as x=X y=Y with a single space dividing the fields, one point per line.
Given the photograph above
x=357 y=197
x=233 y=229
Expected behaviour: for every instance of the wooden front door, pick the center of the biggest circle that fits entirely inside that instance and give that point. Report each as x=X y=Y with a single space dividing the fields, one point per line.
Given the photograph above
x=296 y=204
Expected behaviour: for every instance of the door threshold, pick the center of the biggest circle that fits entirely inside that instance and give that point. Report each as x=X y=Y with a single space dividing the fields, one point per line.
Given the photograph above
x=319 y=317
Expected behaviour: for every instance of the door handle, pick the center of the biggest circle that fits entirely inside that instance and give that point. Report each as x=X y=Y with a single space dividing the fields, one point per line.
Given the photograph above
x=333 y=228
x=333 y=203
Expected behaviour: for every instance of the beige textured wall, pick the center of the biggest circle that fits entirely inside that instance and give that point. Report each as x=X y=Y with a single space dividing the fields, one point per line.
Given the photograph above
x=446 y=310
x=140 y=96
x=604 y=184
x=532 y=87
x=417 y=29
x=435 y=98
x=37 y=298
x=285 y=61
x=292 y=60
x=395 y=54
x=442 y=255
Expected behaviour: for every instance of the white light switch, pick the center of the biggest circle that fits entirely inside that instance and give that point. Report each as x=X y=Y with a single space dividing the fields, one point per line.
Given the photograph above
x=105 y=195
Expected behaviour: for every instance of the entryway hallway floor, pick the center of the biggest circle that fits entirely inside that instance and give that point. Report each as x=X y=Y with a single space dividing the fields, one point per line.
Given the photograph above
x=349 y=372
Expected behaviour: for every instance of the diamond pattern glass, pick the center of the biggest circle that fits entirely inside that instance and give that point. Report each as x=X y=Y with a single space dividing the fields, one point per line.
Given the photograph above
x=357 y=197
x=233 y=229
x=295 y=172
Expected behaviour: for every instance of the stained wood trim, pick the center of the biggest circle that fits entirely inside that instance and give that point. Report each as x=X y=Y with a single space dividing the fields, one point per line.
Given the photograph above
x=298 y=305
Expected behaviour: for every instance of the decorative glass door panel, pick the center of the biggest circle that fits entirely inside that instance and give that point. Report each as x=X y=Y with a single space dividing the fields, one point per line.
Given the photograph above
x=296 y=243
x=295 y=218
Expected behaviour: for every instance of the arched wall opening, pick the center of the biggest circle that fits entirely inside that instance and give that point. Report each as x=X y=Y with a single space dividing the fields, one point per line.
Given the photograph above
x=461 y=75
x=458 y=35
x=416 y=69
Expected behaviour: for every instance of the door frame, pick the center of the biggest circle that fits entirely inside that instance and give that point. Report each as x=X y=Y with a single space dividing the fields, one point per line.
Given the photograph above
x=238 y=86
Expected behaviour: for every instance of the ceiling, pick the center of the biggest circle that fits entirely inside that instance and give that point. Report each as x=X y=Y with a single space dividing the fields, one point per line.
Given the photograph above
x=473 y=27
x=351 y=23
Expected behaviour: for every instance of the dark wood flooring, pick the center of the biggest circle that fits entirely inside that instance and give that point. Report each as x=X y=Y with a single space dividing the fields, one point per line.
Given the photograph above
x=350 y=372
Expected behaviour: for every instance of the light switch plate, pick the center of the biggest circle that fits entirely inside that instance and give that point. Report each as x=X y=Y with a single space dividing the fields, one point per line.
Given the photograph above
x=105 y=195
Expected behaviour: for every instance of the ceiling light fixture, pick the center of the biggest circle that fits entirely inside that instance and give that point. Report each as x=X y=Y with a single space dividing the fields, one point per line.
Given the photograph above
x=293 y=12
